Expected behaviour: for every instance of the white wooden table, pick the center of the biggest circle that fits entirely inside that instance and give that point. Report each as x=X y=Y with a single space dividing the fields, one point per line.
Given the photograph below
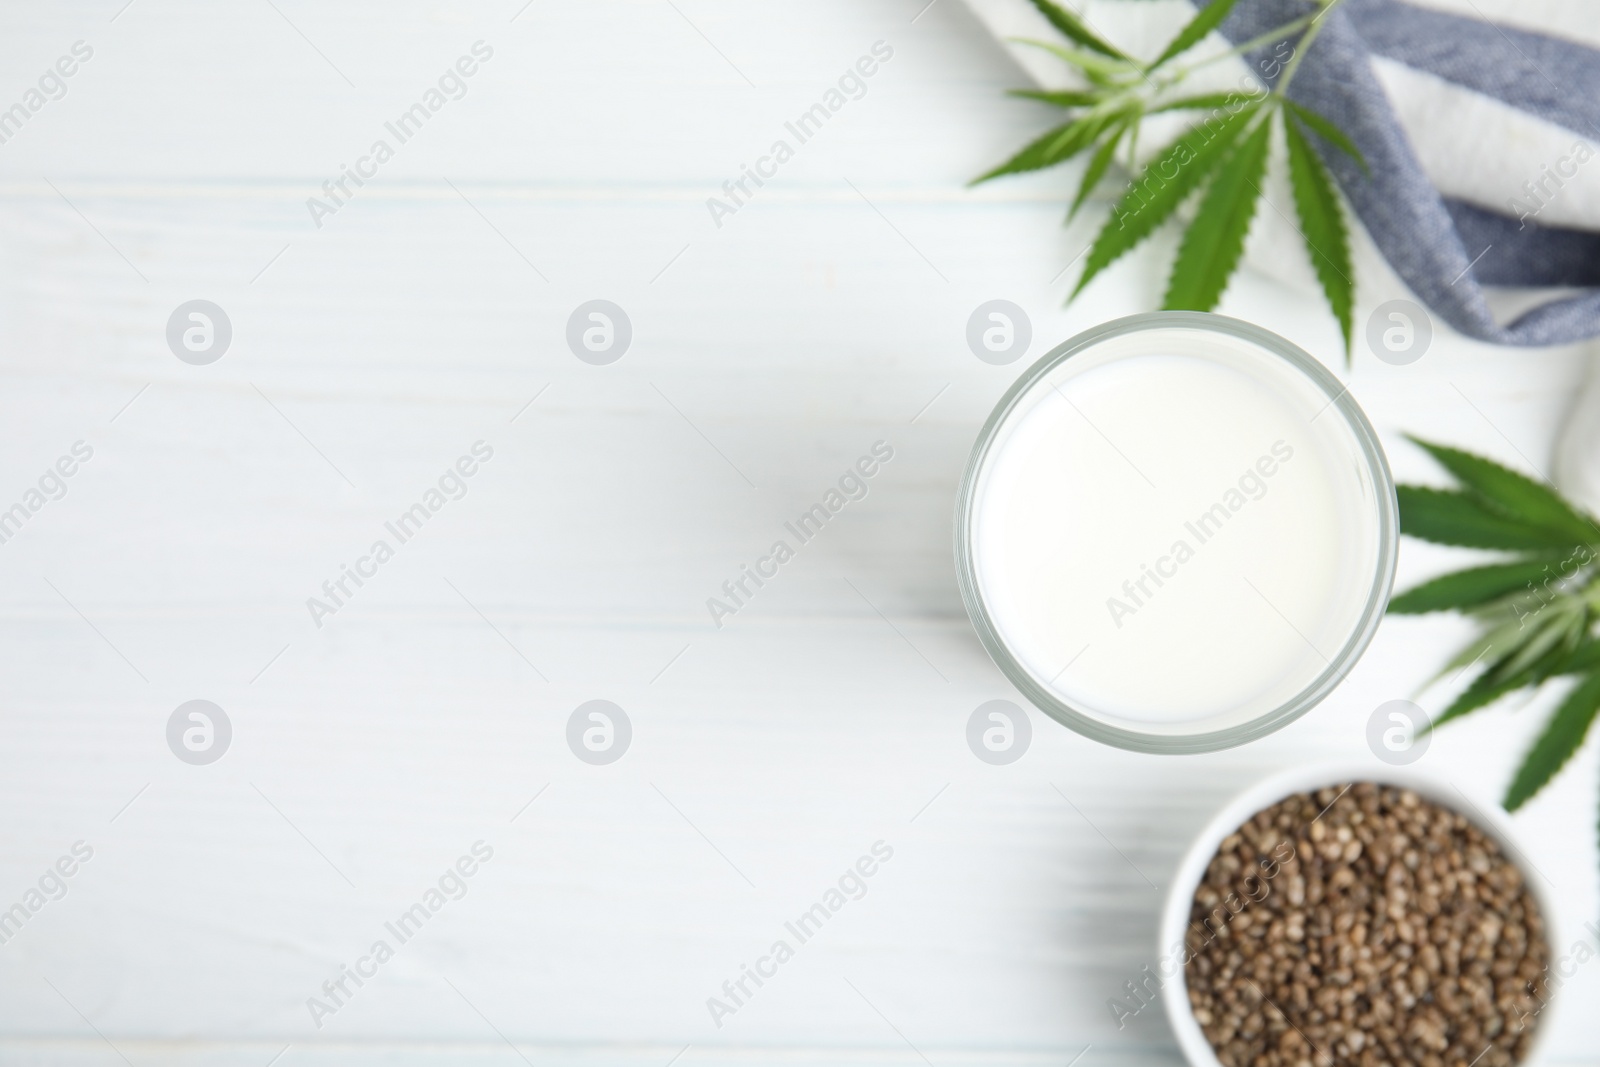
x=767 y=355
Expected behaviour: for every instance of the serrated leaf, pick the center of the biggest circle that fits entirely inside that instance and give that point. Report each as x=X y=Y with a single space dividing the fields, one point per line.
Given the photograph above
x=1328 y=132
x=1562 y=736
x=1054 y=146
x=1446 y=517
x=1486 y=688
x=1502 y=637
x=1163 y=184
x=1097 y=167
x=1468 y=588
x=1099 y=69
x=1551 y=636
x=1214 y=101
x=1059 y=97
x=1481 y=693
x=1514 y=494
x=1211 y=248
x=1071 y=25
x=1195 y=31
x=1581 y=659
x=1323 y=228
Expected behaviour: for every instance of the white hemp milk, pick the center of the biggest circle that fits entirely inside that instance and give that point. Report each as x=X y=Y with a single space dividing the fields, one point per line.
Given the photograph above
x=1174 y=531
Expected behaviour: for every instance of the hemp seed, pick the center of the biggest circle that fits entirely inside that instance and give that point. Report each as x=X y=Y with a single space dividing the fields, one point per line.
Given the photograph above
x=1364 y=925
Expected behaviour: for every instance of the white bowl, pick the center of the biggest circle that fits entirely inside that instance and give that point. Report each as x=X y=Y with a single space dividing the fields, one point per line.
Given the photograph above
x=1486 y=816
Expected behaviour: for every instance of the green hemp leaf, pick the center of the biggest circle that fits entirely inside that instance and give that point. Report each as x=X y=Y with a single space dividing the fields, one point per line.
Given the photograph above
x=1221 y=158
x=1536 y=609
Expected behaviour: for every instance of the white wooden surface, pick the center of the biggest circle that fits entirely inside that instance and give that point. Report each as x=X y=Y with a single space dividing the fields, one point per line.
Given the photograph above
x=768 y=354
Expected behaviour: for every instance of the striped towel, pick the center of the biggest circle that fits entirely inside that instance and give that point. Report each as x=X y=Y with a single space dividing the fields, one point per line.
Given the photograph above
x=1483 y=139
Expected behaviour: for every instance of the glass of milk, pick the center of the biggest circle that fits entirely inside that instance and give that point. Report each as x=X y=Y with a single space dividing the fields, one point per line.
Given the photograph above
x=1177 y=532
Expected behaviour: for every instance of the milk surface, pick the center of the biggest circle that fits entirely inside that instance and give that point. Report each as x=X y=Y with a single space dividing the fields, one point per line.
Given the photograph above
x=1175 y=531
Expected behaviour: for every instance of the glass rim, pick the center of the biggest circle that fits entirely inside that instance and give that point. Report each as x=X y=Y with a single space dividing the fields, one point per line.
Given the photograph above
x=1338 y=666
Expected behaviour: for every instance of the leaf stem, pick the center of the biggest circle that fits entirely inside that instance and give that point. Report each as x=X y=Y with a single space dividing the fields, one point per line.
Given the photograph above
x=1303 y=46
x=1278 y=34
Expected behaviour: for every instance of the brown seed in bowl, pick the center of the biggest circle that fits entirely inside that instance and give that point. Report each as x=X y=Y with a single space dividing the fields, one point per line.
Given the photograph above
x=1364 y=925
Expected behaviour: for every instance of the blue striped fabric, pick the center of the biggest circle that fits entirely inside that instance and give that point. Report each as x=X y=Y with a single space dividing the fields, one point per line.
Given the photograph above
x=1430 y=240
